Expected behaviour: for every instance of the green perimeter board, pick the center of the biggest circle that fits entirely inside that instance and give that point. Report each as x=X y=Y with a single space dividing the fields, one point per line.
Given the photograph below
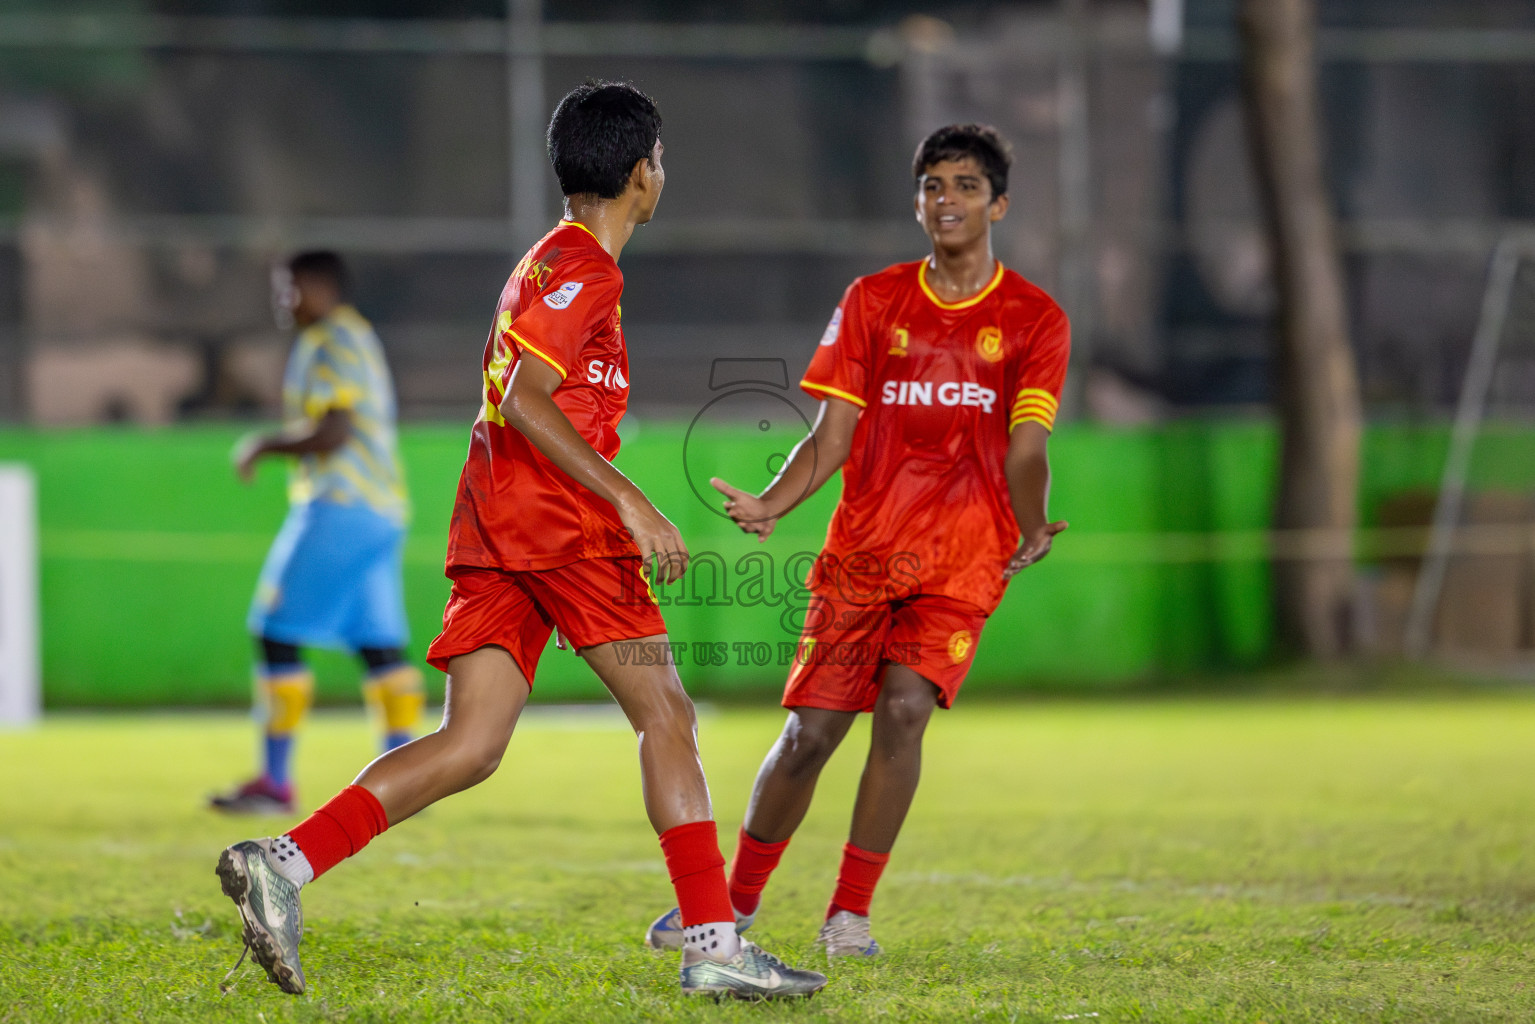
x=150 y=550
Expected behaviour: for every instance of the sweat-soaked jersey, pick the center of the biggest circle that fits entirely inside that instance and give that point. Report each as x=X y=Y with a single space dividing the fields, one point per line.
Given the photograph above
x=925 y=505
x=516 y=510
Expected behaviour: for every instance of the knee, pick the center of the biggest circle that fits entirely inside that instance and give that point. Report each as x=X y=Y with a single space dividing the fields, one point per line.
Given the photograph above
x=805 y=748
x=480 y=765
x=475 y=759
x=903 y=717
x=671 y=714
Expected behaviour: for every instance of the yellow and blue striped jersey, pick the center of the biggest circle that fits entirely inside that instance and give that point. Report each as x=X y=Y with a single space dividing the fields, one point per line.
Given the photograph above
x=338 y=363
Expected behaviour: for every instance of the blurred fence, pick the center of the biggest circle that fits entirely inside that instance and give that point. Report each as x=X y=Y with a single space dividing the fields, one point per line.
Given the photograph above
x=151 y=166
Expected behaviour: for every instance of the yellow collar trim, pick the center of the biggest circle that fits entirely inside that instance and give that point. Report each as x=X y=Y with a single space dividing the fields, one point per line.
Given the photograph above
x=996 y=279
x=583 y=227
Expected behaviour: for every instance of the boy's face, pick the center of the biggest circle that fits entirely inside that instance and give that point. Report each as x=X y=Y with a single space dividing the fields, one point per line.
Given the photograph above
x=954 y=203
x=654 y=177
x=298 y=301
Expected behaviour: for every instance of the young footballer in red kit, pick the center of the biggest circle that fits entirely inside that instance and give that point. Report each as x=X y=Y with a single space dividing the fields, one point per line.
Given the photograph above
x=546 y=534
x=939 y=383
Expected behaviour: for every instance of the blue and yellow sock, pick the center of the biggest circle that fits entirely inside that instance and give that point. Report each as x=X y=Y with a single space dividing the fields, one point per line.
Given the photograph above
x=396 y=693
x=287 y=691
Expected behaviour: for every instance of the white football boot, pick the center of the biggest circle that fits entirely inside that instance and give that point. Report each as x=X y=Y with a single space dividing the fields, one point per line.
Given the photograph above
x=847 y=934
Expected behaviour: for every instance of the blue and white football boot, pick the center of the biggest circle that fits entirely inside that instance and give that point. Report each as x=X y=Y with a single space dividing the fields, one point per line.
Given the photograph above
x=269 y=909
x=847 y=934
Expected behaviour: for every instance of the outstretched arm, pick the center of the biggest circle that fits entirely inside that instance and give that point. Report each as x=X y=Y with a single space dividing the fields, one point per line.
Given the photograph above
x=328 y=433
x=812 y=462
x=529 y=407
x=1028 y=484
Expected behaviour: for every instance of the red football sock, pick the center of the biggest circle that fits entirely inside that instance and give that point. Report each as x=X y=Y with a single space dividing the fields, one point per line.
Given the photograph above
x=749 y=872
x=856 y=881
x=693 y=860
x=340 y=828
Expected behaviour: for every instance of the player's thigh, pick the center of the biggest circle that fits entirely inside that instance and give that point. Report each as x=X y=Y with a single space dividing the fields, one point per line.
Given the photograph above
x=934 y=638
x=642 y=678
x=486 y=692
x=489 y=608
x=604 y=608
x=836 y=665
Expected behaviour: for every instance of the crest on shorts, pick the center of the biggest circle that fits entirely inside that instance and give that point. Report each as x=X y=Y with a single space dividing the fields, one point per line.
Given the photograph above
x=960 y=644
x=988 y=342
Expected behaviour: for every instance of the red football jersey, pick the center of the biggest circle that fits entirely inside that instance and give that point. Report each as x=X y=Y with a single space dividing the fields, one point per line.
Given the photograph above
x=925 y=506
x=516 y=510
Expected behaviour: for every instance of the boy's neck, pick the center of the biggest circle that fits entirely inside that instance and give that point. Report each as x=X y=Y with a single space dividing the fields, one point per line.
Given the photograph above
x=611 y=221
x=960 y=273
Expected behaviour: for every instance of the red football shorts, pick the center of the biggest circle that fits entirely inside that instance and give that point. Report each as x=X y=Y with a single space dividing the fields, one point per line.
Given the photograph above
x=844 y=648
x=593 y=601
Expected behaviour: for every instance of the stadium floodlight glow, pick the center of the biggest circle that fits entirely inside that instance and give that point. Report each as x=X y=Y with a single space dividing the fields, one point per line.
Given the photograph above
x=20 y=694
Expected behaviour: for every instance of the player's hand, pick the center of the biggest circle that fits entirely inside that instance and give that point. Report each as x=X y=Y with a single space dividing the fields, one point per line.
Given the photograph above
x=1032 y=548
x=748 y=511
x=656 y=538
x=247 y=452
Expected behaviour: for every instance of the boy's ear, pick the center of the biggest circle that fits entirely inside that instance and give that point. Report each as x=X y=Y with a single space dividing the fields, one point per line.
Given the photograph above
x=639 y=173
x=998 y=208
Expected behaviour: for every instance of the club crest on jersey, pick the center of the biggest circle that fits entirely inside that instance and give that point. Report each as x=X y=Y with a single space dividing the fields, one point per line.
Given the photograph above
x=562 y=296
x=829 y=337
x=988 y=342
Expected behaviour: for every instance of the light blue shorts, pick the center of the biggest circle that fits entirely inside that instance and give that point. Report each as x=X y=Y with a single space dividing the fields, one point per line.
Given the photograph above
x=332 y=579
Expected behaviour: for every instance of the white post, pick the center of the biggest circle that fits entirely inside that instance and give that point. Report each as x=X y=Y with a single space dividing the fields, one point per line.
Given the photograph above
x=1468 y=422
x=1075 y=194
x=20 y=694
x=526 y=120
x=1166 y=27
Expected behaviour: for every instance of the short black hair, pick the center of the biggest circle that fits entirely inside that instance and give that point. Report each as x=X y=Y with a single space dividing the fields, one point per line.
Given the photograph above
x=597 y=134
x=957 y=141
x=322 y=264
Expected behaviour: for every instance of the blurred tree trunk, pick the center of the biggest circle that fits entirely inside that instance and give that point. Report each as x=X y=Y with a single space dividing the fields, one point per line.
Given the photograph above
x=1317 y=390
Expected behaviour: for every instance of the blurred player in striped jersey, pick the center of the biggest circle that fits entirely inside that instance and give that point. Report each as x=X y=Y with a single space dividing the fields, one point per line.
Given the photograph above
x=939 y=382
x=547 y=533
x=333 y=575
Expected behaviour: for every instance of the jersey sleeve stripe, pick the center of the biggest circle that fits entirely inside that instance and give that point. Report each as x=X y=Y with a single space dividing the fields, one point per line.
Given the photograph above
x=542 y=355
x=1032 y=417
x=813 y=386
x=1034 y=405
x=1038 y=393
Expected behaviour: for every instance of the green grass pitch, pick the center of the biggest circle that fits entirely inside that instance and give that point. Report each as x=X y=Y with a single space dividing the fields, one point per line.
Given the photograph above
x=1164 y=860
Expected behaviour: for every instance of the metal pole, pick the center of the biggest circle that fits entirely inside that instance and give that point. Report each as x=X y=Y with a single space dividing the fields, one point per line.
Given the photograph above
x=1166 y=27
x=1076 y=190
x=526 y=210
x=1468 y=418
